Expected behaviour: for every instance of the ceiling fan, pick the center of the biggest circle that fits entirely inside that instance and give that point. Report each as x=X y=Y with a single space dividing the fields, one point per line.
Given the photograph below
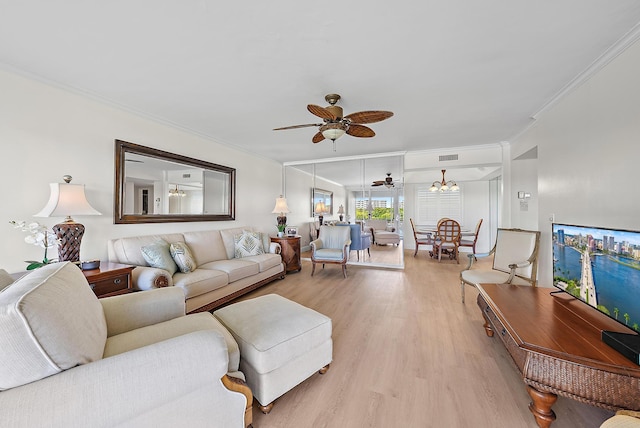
x=335 y=125
x=388 y=182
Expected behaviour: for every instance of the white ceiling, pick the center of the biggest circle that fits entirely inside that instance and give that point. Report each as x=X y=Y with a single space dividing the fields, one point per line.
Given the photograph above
x=455 y=73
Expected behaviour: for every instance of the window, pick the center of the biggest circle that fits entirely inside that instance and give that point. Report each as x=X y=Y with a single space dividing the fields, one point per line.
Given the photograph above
x=432 y=206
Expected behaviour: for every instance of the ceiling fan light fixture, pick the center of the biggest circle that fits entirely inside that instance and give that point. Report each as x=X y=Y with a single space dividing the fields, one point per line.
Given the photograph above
x=333 y=131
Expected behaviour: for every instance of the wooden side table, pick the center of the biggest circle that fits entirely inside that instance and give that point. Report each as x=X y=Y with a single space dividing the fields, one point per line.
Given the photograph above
x=110 y=279
x=290 y=252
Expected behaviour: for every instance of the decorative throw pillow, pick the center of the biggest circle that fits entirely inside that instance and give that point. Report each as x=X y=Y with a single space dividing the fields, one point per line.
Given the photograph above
x=248 y=244
x=182 y=256
x=159 y=256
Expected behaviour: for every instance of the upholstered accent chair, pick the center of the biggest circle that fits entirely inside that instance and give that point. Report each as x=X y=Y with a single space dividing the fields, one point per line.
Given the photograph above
x=421 y=238
x=136 y=360
x=515 y=260
x=332 y=246
x=360 y=241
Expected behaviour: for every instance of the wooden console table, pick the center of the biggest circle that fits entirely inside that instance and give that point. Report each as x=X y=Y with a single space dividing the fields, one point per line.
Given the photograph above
x=555 y=342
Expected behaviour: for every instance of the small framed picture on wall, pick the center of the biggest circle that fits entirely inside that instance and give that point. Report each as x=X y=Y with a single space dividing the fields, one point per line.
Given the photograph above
x=292 y=231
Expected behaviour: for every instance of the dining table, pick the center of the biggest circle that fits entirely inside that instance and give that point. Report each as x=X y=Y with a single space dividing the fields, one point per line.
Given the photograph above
x=431 y=230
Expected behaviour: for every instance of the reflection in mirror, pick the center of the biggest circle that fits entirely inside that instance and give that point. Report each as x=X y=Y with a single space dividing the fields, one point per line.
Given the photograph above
x=356 y=176
x=154 y=186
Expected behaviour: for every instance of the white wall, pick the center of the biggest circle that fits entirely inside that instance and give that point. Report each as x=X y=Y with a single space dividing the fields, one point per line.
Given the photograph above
x=524 y=178
x=46 y=132
x=588 y=152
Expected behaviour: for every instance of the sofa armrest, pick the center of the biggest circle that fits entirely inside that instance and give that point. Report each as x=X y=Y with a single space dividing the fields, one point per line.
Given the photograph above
x=134 y=310
x=176 y=382
x=146 y=278
x=275 y=248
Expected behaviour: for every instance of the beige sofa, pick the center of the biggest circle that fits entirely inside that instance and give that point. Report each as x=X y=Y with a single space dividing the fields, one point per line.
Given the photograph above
x=68 y=359
x=219 y=276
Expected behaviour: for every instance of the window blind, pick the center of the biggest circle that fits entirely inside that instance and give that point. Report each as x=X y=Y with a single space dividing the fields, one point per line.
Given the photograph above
x=432 y=206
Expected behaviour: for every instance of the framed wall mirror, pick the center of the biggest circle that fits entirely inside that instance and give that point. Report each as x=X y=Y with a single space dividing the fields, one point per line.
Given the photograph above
x=319 y=196
x=154 y=186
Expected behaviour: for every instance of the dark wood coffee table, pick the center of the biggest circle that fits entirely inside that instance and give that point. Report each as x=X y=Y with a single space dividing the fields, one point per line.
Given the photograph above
x=555 y=342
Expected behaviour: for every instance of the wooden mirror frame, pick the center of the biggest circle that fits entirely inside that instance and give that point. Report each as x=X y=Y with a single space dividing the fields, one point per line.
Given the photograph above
x=119 y=217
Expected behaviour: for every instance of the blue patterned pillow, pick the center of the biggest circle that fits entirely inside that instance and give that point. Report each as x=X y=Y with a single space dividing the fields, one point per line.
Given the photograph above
x=248 y=244
x=158 y=256
x=182 y=256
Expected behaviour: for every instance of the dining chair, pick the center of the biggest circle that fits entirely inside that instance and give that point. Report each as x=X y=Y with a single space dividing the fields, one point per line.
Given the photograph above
x=447 y=239
x=515 y=260
x=421 y=238
x=471 y=242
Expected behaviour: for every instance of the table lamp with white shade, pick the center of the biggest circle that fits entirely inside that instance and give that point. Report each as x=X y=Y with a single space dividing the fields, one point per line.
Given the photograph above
x=65 y=200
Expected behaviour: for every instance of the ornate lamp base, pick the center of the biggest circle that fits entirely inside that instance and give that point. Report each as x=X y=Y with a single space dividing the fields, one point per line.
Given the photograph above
x=70 y=235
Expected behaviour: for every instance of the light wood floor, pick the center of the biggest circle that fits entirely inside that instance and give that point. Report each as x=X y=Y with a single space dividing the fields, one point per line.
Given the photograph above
x=407 y=353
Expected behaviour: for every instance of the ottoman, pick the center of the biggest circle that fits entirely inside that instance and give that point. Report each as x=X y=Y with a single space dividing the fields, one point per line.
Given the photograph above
x=281 y=342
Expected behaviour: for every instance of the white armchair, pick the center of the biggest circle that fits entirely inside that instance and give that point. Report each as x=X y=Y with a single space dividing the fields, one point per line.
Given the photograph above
x=515 y=260
x=69 y=359
x=332 y=246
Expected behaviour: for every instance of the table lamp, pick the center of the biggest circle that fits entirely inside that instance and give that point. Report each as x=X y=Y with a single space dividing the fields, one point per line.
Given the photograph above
x=67 y=199
x=320 y=209
x=340 y=212
x=282 y=209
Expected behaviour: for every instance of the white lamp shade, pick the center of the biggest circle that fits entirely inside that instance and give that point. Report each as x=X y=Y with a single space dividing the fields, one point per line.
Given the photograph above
x=66 y=200
x=321 y=208
x=281 y=206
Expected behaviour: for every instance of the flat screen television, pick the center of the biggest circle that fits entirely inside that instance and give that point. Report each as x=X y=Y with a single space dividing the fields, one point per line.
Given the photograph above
x=601 y=267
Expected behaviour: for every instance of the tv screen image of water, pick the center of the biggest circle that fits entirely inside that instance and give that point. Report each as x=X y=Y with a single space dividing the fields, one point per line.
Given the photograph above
x=617 y=284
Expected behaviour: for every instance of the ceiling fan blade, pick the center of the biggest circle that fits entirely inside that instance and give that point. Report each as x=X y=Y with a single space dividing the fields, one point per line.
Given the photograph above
x=318 y=137
x=376 y=184
x=369 y=116
x=298 y=126
x=321 y=112
x=360 y=131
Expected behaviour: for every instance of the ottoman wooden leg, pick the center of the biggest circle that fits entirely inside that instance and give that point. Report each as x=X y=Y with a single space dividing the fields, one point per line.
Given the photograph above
x=266 y=409
x=324 y=369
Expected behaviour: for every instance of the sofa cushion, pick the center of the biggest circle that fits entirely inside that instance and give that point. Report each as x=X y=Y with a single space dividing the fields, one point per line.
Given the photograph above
x=265 y=261
x=50 y=321
x=206 y=246
x=158 y=255
x=175 y=327
x=182 y=256
x=248 y=244
x=200 y=281
x=235 y=268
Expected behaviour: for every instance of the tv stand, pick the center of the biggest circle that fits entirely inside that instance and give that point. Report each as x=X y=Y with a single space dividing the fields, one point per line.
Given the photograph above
x=555 y=341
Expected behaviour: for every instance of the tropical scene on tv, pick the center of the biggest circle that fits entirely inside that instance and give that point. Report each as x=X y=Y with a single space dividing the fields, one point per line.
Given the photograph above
x=600 y=267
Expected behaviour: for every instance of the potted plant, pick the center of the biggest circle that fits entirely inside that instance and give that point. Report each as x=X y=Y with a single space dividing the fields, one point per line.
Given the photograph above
x=281 y=227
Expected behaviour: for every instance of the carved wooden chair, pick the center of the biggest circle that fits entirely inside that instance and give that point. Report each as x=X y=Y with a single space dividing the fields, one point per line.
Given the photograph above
x=515 y=260
x=332 y=246
x=421 y=238
x=471 y=242
x=447 y=239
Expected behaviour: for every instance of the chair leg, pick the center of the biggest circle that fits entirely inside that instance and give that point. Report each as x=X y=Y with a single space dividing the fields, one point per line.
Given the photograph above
x=313 y=268
x=462 y=290
x=344 y=270
x=416 y=251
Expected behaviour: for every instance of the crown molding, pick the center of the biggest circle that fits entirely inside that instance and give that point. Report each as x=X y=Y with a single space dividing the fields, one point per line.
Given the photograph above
x=628 y=39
